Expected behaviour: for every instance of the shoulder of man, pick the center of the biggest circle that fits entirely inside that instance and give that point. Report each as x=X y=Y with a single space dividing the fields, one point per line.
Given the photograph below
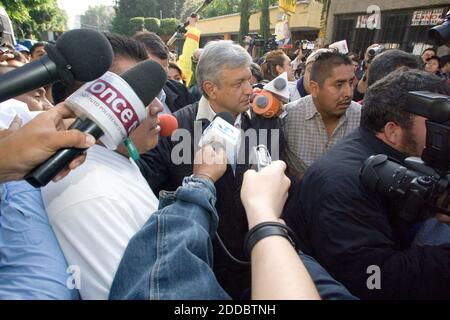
x=186 y=115
x=178 y=93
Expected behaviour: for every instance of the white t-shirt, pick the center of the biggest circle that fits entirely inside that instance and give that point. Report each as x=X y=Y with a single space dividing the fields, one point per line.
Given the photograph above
x=10 y=108
x=94 y=212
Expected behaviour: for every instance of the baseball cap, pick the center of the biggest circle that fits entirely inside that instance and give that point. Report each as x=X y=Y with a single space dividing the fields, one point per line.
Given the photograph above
x=313 y=56
x=21 y=48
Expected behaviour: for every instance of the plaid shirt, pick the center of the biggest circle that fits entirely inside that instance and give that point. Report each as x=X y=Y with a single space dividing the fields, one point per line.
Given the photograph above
x=305 y=133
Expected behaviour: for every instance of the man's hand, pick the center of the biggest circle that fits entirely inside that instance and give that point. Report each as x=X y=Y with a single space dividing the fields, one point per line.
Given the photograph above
x=38 y=140
x=443 y=218
x=264 y=193
x=210 y=162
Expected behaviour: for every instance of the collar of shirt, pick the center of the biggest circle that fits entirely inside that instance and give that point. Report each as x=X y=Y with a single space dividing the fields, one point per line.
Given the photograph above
x=310 y=109
x=162 y=97
x=379 y=146
x=206 y=112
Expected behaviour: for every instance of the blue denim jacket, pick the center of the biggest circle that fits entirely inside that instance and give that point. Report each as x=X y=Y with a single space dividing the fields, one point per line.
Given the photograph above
x=171 y=258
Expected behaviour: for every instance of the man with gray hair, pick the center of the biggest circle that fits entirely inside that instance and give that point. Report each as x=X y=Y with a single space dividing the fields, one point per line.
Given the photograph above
x=223 y=75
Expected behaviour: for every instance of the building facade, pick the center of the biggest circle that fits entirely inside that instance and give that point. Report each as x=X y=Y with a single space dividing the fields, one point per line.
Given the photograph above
x=304 y=24
x=401 y=24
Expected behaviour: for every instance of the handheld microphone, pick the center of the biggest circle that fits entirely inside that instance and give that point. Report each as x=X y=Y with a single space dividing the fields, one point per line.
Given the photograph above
x=268 y=102
x=66 y=61
x=168 y=124
x=222 y=130
x=109 y=108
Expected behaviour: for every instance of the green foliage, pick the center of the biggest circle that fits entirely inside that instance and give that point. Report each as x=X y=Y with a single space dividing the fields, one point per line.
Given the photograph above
x=245 y=17
x=128 y=9
x=152 y=24
x=137 y=24
x=264 y=22
x=168 y=26
x=31 y=17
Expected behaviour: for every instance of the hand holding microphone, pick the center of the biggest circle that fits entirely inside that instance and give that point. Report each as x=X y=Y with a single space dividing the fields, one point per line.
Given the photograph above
x=23 y=149
x=222 y=130
x=109 y=108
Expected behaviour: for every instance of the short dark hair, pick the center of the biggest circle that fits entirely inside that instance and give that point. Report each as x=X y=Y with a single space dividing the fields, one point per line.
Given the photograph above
x=429 y=49
x=126 y=47
x=385 y=100
x=272 y=60
x=445 y=60
x=435 y=58
x=388 y=61
x=37 y=45
x=325 y=63
x=153 y=44
x=256 y=71
x=122 y=46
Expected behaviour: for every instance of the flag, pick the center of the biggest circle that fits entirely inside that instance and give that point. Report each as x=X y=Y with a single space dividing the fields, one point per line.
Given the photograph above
x=288 y=5
x=191 y=43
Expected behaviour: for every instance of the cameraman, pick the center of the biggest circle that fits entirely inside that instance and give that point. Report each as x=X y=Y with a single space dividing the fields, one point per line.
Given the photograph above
x=351 y=230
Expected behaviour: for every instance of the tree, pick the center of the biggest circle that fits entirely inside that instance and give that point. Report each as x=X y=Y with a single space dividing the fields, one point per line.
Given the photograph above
x=245 y=20
x=127 y=9
x=98 y=17
x=171 y=8
x=264 y=22
x=32 y=17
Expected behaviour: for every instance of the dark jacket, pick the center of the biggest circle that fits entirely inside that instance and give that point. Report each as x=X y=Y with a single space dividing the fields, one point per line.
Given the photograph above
x=162 y=174
x=177 y=95
x=351 y=230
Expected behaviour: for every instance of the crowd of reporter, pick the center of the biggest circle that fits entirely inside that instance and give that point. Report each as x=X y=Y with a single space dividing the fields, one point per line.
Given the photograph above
x=131 y=226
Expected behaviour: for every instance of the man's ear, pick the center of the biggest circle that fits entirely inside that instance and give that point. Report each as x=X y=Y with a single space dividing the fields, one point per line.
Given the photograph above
x=393 y=133
x=210 y=89
x=313 y=88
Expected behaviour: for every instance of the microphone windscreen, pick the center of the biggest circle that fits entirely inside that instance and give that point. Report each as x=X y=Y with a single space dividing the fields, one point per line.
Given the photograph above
x=87 y=51
x=147 y=79
x=226 y=116
x=168 y=124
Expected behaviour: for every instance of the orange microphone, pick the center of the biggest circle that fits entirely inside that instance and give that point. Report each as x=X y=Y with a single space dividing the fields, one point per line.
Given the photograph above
x=266 y=104
x=168 y=124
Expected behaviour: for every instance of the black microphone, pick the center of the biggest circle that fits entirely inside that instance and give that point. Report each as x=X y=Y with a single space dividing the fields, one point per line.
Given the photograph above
x=81 y=54
x=225 y=116
x=109 y=108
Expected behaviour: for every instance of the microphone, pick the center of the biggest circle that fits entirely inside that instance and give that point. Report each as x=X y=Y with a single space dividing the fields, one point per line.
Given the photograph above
x=109 y=108
x=269 y=101
x=66 y=61
x=222 y=130
x=168 y=124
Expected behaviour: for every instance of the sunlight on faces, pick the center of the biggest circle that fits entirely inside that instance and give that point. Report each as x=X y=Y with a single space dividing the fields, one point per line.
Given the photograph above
x=334 y=96
x=232 y=93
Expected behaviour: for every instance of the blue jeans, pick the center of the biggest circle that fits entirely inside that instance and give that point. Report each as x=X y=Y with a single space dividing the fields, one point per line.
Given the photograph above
x=171 y=258
x=32 y=265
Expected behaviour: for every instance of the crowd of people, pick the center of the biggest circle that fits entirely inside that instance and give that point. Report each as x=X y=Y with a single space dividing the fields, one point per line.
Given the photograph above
x=186 y=221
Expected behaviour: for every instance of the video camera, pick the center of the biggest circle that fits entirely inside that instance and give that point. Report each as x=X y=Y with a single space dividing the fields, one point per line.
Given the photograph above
x=306 y=46
x=374 y=52
x=258 y=41
x=419 y=188
x=441 y=34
